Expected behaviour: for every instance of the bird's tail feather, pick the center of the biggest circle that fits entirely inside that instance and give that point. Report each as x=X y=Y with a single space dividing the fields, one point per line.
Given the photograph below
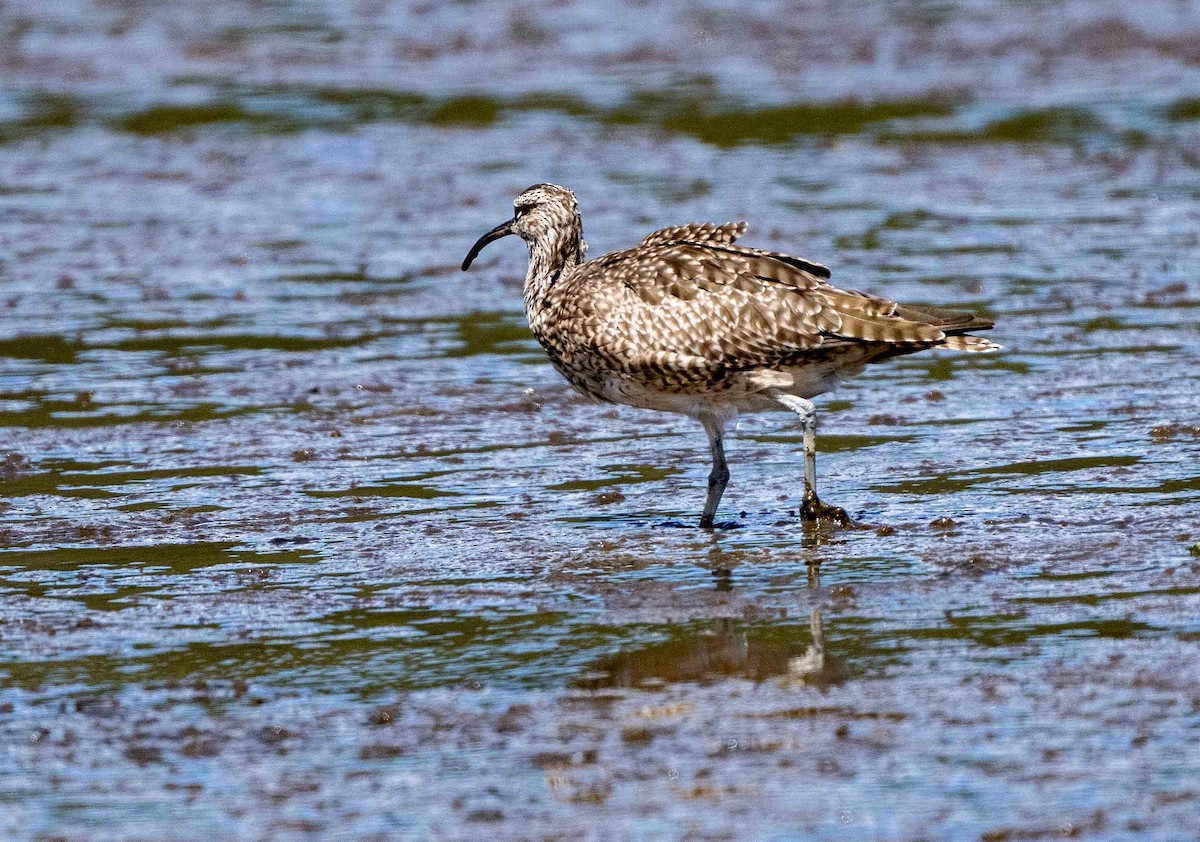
x=968 y=343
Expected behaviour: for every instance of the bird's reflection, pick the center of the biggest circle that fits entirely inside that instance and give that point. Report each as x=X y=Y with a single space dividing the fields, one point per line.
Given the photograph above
x=725 y=647
x=812 y=662
x=813 y=666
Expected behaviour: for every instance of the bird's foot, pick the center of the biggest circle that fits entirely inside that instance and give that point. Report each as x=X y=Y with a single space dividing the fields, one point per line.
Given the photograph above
x=814 y=511
x=710 y=524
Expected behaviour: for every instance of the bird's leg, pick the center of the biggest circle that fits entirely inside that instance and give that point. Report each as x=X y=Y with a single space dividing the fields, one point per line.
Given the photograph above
x=719 y=478
x=811 y=508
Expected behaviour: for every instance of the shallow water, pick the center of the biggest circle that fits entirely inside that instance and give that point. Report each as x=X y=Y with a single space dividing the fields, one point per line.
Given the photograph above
x=303 y=538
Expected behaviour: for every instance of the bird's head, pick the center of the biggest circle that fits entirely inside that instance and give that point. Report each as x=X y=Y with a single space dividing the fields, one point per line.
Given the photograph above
x=546 y=217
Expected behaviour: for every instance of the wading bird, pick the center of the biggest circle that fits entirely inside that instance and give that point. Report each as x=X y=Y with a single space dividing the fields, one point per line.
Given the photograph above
x=688 y=321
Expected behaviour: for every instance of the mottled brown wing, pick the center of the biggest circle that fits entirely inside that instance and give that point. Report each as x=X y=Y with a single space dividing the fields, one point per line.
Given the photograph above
x=696 y=232
x=717 y=236
x=799 y=262
x=691 y=304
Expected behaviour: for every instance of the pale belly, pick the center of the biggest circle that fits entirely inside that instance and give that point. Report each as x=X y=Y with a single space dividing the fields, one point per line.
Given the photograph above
x=740 y=393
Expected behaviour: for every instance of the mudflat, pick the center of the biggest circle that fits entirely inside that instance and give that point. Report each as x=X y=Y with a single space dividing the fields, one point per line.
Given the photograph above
x=302 y=538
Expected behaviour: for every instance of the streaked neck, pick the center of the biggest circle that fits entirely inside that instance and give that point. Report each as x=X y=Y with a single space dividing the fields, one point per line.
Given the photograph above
x=550 y=256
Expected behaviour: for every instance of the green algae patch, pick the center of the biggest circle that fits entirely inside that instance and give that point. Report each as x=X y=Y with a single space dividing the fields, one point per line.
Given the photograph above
x=52 y=111
x=40 y=112
x=48 y=348
x=66 y=479
x=162 y=558
x=372 y=105
x=726 y=126
x=834 y=442
x=405 y=490
x=467 y=111
x=162 y=119
x=489 y=333
x=1055 y=126
x=619 y=475
x=704 y=117
x=1183 y=110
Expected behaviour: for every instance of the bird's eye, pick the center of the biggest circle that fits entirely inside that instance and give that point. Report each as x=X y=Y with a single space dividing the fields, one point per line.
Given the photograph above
x=522 y=209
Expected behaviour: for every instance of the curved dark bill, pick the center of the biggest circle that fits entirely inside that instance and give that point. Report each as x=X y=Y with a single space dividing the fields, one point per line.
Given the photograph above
x=501 y=230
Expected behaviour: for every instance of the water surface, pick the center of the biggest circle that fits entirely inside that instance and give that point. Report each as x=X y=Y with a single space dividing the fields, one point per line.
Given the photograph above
x=302 y=537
